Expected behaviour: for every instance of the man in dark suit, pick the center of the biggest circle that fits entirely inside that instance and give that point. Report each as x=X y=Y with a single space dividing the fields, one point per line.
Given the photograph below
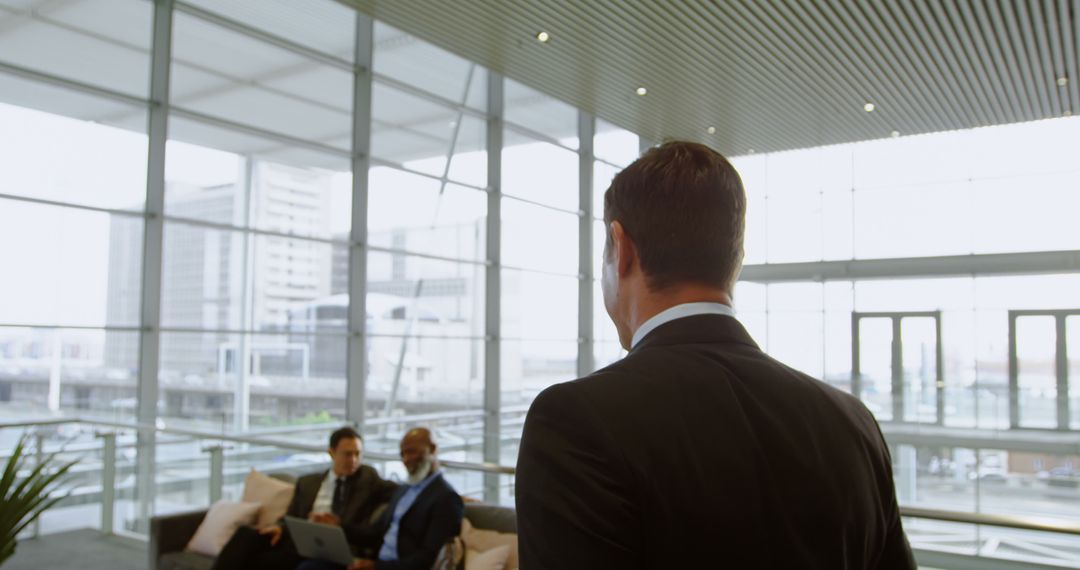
x=346 y=495
x=422 y=517
x=697 y=450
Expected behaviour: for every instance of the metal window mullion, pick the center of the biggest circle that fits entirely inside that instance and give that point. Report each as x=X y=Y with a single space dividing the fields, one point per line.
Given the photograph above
x=78 y=86
x=1061 y=357
x=1014 y=375
x=493 y=286
x=242 y=397
x=856 y=357
x=586 y=130
x=939 y=366
x=898 y=403
x=153 y=237
x=356 y=361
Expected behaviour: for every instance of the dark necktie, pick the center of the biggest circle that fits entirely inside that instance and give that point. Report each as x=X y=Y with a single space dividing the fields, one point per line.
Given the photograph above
x=338 y=505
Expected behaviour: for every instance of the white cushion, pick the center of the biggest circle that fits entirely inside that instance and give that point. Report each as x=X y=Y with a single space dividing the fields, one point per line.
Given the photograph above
x=220 y=524
x=273 y=495
x=494 y=559
x=482 y=540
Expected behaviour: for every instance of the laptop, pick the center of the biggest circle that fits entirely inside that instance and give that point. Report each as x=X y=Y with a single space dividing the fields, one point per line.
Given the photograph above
x=320 y=541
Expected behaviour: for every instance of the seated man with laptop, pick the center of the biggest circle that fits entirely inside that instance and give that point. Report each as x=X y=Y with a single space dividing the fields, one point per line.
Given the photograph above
x=423 y=516
x=345 y=497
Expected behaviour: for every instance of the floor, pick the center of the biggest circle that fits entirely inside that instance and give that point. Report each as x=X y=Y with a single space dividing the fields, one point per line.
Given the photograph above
x=87 y=546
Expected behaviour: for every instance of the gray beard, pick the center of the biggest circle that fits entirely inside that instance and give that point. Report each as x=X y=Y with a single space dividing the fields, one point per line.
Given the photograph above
x=422 y=471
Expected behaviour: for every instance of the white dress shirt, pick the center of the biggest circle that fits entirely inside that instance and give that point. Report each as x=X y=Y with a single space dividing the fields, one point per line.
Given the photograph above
x=678 y=312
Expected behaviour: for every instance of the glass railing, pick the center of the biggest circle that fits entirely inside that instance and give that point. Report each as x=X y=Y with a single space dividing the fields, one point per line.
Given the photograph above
x=984 y=495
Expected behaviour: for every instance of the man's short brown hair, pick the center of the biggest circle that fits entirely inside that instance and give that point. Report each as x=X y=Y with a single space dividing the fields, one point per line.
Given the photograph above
x=684 y=207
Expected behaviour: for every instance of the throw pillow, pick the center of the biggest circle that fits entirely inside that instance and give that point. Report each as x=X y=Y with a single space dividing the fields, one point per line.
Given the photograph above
x=494 y=559
x=482 y=540
x=220 y=524
x=272 y=494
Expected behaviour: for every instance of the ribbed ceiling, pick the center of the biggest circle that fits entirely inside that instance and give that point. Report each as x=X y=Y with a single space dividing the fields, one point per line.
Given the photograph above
x=772 y=75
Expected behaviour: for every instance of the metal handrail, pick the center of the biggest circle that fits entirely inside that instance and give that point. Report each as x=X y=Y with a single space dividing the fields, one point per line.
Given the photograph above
x=250 y=440
x=1042 y=524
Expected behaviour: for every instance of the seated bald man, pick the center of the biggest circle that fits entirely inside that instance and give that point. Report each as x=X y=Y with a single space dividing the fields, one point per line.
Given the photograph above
x=424 y=515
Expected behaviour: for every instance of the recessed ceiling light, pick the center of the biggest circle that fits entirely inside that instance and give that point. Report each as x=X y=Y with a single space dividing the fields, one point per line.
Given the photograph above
x=894 y=134
x=751 y=151
x=869 y=107
x=711 y=130
x=641 y=91
x=543 y=37
x=1062 y=81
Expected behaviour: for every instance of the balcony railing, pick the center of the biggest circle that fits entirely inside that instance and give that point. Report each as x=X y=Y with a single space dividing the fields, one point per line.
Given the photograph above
x=1034 y=539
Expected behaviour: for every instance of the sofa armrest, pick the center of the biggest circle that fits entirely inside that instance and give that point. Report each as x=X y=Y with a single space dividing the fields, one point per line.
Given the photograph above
x=171 y=533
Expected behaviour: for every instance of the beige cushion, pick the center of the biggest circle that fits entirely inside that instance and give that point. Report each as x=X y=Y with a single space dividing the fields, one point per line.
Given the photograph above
x=482 y=540
x=494 y=559
x=273 y=495
x=220 y=524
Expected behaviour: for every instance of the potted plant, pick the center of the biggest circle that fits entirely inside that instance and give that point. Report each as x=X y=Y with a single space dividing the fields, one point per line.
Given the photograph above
x=23 y=500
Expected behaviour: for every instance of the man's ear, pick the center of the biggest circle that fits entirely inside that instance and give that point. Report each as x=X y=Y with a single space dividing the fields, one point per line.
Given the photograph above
x=622 y=247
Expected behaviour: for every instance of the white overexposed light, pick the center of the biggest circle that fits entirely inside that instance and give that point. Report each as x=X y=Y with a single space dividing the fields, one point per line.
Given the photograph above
x=711 y=130
x=543 y=37
x=894 y=134
x=869 y=107
x=642 y=91
x=1062 y=81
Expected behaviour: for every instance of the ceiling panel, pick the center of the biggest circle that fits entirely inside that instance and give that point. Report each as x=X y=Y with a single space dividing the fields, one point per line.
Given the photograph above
x=772 y=75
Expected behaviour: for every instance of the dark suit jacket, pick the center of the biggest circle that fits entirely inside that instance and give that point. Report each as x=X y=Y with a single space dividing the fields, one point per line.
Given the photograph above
x=366 y=492
x=698 y=450
x=432 y=521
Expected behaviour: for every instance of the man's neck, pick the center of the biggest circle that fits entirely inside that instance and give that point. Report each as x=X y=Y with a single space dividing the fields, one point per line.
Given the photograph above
x=654 y=303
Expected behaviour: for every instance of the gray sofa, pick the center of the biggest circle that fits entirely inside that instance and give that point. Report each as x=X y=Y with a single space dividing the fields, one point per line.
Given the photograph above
x=170 y=534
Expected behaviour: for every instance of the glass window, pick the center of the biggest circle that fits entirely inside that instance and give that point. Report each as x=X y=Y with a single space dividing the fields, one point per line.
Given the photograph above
x=1025 y=149
x=236 y=78
x=528 y=367
x=522 y=226
x=74 y=267
x=540 y=172
x=64 y=159
x=407 y=59
x=105 y=43
x=541 y=113
x=299 y=192
x=525 y=317
x=290 y=379
x=414 y=133
x=937 y=158
x=417 y=296
x=918 y=221
x=409 y=375
x=1029 y=213
x=796 y=214
x=837 y=225
x=615 y=145
x=89 y=373
x=321 y=25
x=406 y=211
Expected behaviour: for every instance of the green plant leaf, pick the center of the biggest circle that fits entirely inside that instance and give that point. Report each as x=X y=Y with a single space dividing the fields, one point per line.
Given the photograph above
x=20 y=505
x=11 y=470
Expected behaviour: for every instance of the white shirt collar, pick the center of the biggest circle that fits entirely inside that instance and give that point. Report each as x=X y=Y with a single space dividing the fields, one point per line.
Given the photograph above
x=679 y=312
